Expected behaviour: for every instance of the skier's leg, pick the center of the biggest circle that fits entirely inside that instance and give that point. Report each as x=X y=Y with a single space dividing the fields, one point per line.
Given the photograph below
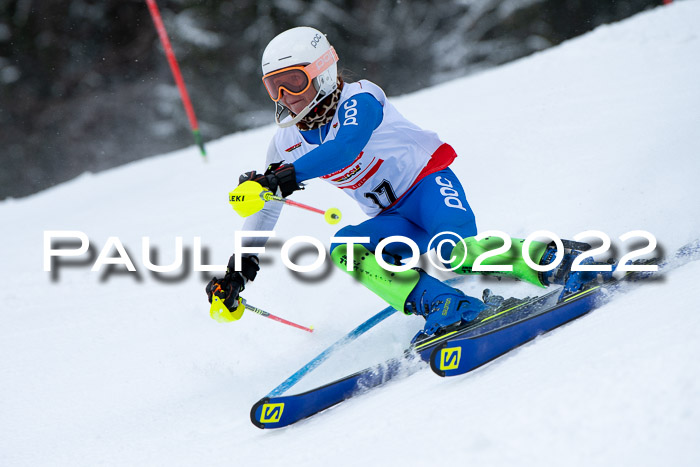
x=540 y=253
x=440 y=205
x=512 y=257
x=412 y=291
x=383 y=226
x=390 y=286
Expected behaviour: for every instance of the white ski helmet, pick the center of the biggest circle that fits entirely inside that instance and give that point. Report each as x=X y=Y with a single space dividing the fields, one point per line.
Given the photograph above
x=293 y=61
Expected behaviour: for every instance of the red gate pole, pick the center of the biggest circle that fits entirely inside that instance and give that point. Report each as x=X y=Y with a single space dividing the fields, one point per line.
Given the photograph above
x=175 y=68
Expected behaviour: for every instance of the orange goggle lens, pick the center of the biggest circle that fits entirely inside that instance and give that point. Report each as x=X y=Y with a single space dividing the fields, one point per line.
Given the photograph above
x=294 y=80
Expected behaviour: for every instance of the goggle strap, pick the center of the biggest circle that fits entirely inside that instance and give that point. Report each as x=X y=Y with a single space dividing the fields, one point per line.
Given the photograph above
x=322 y=63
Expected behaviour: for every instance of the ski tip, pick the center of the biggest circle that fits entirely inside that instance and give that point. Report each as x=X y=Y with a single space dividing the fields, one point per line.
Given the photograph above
x=435 y=358
x=255 y=415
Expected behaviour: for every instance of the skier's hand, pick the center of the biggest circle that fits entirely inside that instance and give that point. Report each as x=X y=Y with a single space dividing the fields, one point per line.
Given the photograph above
x=227 y=290
x=283 y=176
x=279 y=178
x=233 y=283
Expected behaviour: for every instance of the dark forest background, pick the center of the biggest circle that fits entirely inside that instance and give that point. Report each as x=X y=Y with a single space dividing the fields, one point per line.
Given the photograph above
x=84 y=84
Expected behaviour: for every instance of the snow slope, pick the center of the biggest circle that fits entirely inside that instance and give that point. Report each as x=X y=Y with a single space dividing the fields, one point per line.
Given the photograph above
x=127 y=368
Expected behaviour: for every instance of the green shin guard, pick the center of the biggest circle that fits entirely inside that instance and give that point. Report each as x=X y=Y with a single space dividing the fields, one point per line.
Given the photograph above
x=393 y=287
x=513 y=257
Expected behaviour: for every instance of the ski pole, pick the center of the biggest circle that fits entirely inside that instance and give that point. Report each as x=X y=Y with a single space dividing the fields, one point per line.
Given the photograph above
x=250 y=197
x=331 y=215
x=220 y=312
x=175 y=69
x=273 y=317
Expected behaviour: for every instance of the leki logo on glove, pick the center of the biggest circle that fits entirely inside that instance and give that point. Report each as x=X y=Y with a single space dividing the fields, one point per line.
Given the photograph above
x=271 y=413
x=450 y=357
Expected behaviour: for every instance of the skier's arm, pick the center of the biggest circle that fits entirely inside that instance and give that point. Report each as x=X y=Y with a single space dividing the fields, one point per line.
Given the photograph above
x=233 y=283
x=359 y=116
x=265 y=219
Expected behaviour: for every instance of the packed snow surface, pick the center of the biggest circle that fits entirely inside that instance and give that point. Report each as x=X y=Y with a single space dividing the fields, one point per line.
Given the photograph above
x=126 y=368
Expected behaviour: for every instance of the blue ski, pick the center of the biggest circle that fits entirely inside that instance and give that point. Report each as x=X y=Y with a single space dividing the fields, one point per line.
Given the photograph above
x=495 y=337
x=280 y=411
x=498 y=334
x=277 y=412
x=457 y=350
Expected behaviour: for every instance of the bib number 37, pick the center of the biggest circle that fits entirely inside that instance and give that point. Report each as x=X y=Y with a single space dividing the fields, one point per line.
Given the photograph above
x=382 y=195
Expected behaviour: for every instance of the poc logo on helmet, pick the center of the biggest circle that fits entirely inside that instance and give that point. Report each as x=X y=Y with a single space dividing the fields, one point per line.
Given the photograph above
x=350 y=112
x=316 y=40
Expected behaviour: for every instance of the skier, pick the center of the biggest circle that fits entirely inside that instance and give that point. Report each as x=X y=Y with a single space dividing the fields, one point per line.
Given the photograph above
x=350 y=135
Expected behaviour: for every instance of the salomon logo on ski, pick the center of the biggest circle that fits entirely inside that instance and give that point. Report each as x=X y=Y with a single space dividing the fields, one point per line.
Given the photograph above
x=450 y=357
x=271 y=413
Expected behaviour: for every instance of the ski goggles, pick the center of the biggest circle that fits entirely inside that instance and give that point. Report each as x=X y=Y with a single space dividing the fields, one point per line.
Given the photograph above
x=296 y=80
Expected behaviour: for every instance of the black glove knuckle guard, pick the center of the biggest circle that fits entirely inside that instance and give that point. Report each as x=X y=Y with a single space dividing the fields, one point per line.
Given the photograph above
x=253 y=176
x=246 y=177
x=286 y=179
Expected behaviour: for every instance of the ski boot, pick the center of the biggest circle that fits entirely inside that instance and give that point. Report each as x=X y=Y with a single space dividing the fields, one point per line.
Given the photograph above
x=440 y=305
